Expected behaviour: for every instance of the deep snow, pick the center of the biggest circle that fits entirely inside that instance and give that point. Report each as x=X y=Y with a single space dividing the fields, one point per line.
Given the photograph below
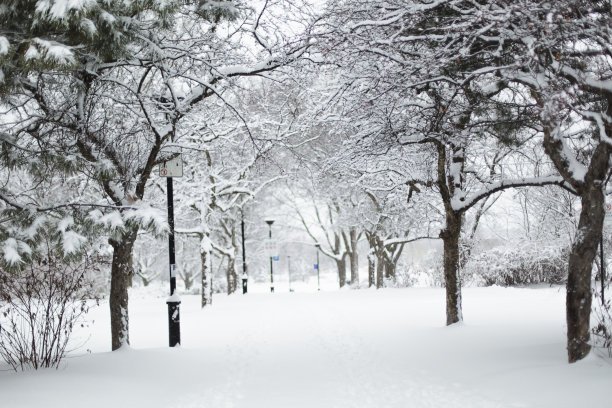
x=348 y=348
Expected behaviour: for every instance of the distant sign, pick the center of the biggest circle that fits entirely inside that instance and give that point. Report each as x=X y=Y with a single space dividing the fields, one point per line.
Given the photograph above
x=172 y=167
x=316 y=266
x=608 y=212
x=271 y=248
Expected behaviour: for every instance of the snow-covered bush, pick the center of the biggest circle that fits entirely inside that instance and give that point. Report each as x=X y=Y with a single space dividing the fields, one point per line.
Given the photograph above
x=406 y=276
x=602 y=329
x=431 y=273
x=520 y=264
x=40 y=304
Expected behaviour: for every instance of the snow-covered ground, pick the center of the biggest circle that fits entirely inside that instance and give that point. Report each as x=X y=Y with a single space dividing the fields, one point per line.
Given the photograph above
x=349 y=348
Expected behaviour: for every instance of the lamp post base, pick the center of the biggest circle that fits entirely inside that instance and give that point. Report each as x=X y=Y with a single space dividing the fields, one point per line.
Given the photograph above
x=174 y=323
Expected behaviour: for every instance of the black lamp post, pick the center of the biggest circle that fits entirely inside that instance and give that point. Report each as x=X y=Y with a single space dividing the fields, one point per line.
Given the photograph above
x=244 y=265
x=174 y=321
x=318 y=268
x=270 y=222
x=175 y=169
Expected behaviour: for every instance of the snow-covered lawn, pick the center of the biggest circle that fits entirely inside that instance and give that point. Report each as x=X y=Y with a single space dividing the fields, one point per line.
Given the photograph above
x=349 y=348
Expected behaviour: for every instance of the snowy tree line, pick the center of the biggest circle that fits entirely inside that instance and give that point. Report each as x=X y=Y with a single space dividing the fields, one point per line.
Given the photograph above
x=474 y=88
x=369 y=124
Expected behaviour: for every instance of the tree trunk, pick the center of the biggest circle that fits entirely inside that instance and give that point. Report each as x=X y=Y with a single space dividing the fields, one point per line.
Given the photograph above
x=371 y=269
x=582 y=255
x=232 y=277
x=188 y=279
x=354 y=258
x=450 y=237
x=121 y=270
x=341 y=266
x=354 y=264
x=371 y=259
x=584 y=250
x=205 y=262
x=380 y=267
x=389 y=269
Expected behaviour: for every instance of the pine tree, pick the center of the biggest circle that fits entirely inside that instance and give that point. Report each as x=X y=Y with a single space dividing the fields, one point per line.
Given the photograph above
x=43 y=35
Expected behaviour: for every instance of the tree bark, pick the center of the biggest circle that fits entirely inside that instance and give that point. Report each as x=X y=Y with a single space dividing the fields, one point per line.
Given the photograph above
x=582 y=255
x=341 y=266
x=391 y=258
x=394 y=257
x=205 y=263
x=354 y=258
x=188 y=281
x=371 y=259
x=389 y=269
x=584 y=250
x=232 y=277
x=371 y=269
x=121 y=270
x=450 y=238
x=380 y=266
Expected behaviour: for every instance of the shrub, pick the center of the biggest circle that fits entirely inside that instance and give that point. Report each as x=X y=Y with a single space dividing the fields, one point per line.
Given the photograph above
x=602 y=330
x=524 y=263
x=39 y=307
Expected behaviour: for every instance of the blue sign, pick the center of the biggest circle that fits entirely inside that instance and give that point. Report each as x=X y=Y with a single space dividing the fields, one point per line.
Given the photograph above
x=276 y=258
x=316 y=266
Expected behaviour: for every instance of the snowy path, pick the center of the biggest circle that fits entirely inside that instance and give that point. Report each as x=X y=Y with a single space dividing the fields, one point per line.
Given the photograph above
x=365 y=348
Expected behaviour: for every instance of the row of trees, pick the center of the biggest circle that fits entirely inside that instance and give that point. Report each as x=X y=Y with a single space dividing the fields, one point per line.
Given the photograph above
x=387 y=122
x=471 y=89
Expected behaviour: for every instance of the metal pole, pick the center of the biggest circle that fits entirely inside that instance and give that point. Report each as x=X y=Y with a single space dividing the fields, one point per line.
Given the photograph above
x=271 y=276
x=244 y=265
x=171 y=251
x=289 y=271
x=270 y=222
x=174 y=322
x=318 y=268
x=603 y=269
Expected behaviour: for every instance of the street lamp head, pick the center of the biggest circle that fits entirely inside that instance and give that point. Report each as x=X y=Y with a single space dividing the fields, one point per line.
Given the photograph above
x=269 y=221
x=317 y=246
